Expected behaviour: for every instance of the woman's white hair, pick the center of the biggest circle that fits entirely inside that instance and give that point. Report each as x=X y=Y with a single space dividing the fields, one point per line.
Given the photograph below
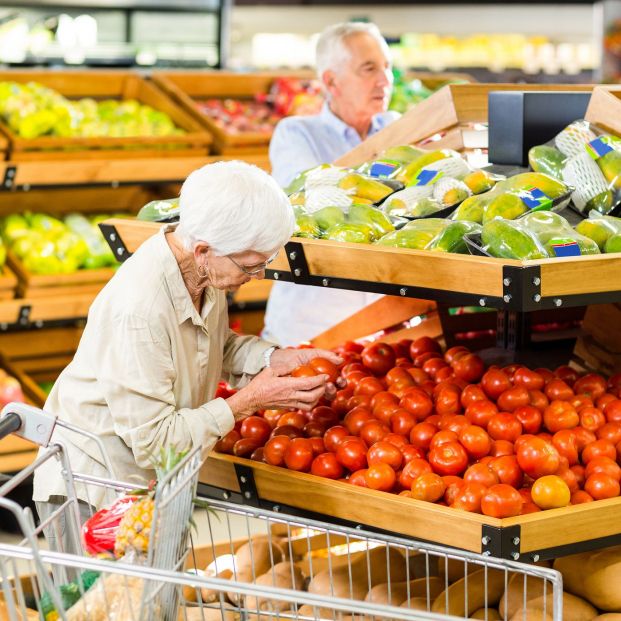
x=332 y=53
x=234 y=207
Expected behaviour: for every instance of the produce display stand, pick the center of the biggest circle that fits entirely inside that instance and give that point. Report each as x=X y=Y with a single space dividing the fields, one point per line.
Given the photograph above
x=185 y=88
x=117 y=85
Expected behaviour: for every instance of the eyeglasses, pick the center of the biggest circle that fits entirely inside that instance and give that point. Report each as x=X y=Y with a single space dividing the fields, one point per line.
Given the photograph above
x=254 y=270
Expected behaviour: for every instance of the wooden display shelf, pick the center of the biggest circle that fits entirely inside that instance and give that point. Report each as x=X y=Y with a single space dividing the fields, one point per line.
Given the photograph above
x=119 y=85
x=444 y=120
x=16 y=453
x=22 y=312
x=535 y=536
x=105 y=170
x=45 y=285
x=8 y=283
x=605 y=108
x=484 y=281
x=188 y=87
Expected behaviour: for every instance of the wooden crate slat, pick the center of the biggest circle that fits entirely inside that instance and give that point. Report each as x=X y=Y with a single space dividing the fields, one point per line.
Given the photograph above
x=605 y=108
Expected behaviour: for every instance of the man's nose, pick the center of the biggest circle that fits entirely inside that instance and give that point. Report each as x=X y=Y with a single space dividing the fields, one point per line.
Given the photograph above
x=384 y=78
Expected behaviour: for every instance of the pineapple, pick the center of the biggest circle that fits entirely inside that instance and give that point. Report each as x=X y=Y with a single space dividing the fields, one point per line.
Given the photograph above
x=134 y=530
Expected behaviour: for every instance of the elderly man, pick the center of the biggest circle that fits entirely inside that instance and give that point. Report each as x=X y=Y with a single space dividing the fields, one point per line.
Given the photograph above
x=353 y=63
x=157 y=340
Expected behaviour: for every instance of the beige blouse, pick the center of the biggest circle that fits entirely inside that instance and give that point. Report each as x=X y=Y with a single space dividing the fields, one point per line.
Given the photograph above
x=145 y=373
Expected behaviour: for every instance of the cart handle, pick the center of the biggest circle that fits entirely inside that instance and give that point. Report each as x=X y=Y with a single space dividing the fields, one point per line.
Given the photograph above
x=9 y=424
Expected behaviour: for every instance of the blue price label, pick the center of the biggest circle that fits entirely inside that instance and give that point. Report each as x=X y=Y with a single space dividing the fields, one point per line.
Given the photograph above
x=599 y=147
x=383 y=168
x=535 y=199
x=565 y=248
x=425 y=177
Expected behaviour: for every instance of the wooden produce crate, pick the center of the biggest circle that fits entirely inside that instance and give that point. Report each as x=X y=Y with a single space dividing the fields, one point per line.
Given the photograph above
x=106 y=85
x=16 y=453
x=605 y=108
x=536 y=536
x=47 y=285
x=8 y=283
x=186 y=87
x=446 y=120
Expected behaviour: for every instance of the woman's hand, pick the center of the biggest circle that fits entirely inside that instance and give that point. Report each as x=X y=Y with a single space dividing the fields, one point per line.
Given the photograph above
x=283 y=361
x=270 y=391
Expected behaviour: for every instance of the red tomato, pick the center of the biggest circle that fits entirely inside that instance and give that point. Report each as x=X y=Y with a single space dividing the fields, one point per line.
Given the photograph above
x=339 y=404
x=299 y=455
x=256 y=428
x=481 y=473
x=468 y=497
x=599 y=448
x=356 y=418
x=358 y=478
x=368 y=386
x=592 y=418
x=444 y=374
x=318 y=446
x=470 y=367
x=578 y=471
x=590 y=384
x=447 y=401
x=258 y=455
x=472 y=393
x=353 y=378
x=581 y=401
x=610 y=432
x=448 y=458
x=420 y=360
x=384 y=407
x=422 y=434
x=272 y=417
x=604 y=400
x=601 y=486
x=417 y=402
x=380 y=476
x=614 y=383
x=418 y=375
x=294 y=419
x=411 y=452
x=546 y=374
x=604 y=465
x=530 y=417
x=618 y=447
x=480 y=412
x=324 y=415
x=326 y=465
x=476 y=441
x=396 y=440
x=442 y=437
x=334 y=436
x=453 y=485
x=529 y=379
x=612 y=411
x=433 y=365
x=287 y=430
x=508 y=470
x=538 y=399
x=422 y=345
x=504 y=426
x=495 y=382
x=226 y=444
x=501 y=447
x=537 y=458
x=513 y=398
x=557 y=389
x=428 y=487
x=567 y=374
x=584 y=437
x=379 y=358
x=352 y=454
x=322 y=366
x=359 y=400
x=412 y=470
x=399 y=375
x=501 y=501
x=570 y=478
x=314 y=430
x=455 y=352
x=560 y=415
x=565 y=443
x=386 y=453
x=303 y=371
x=580 y=497
x=373 y=431
x=402 y=422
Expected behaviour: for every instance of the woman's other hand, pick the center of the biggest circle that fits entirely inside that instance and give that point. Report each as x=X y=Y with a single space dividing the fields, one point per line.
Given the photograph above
x=283 y=361
x=268 y=390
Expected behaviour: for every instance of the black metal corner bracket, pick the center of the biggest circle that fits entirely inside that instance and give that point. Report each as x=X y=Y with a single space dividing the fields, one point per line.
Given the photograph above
x=121 y=253
x=245 y=477
x=521 y=287
x=297 y=263
x=501 y=542
x=10 y=173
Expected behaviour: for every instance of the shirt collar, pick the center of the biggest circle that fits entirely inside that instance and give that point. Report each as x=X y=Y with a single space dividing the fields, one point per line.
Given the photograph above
x=182 y=303
x=343 y=128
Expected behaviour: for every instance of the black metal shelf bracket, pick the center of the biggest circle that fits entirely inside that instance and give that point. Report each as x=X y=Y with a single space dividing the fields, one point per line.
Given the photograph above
x=9 y=177
x=297 y=263
x=247 y=486
x=501 y=542
x=118 y=247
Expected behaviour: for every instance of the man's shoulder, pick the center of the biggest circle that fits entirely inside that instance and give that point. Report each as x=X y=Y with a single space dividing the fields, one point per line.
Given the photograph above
x=298 y=123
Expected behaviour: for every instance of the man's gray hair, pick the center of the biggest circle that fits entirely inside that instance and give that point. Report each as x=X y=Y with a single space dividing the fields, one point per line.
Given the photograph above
x=234 y=207
x=332 y=52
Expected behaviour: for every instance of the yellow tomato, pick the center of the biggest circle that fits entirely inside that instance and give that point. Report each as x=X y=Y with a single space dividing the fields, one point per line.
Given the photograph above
x=550 y=492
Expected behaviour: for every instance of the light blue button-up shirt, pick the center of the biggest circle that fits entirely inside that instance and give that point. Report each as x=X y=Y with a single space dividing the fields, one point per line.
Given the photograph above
x=297 y=313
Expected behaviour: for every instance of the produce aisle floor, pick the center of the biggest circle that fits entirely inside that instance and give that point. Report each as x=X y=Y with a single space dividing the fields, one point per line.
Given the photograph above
x=224 y=527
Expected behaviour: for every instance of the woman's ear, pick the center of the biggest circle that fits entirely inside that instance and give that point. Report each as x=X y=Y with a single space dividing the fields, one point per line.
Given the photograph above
x=201 y=249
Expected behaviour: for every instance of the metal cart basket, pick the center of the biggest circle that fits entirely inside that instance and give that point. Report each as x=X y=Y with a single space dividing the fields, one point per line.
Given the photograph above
x=257 y=564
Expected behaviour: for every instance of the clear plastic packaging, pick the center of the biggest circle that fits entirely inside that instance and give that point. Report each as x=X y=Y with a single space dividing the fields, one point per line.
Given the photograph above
x=605 y=231
x=515 y=196
x=586 y=158
x=99 y=531
x=165 y=210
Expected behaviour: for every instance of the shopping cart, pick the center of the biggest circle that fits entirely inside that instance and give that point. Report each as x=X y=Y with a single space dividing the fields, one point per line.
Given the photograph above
x=258 y=564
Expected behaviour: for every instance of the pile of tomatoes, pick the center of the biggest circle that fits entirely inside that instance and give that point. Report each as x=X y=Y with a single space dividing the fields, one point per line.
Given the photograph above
x=440 y=427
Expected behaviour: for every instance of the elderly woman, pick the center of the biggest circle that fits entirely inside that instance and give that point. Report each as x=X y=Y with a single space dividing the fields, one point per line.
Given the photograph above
x=157 y=341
